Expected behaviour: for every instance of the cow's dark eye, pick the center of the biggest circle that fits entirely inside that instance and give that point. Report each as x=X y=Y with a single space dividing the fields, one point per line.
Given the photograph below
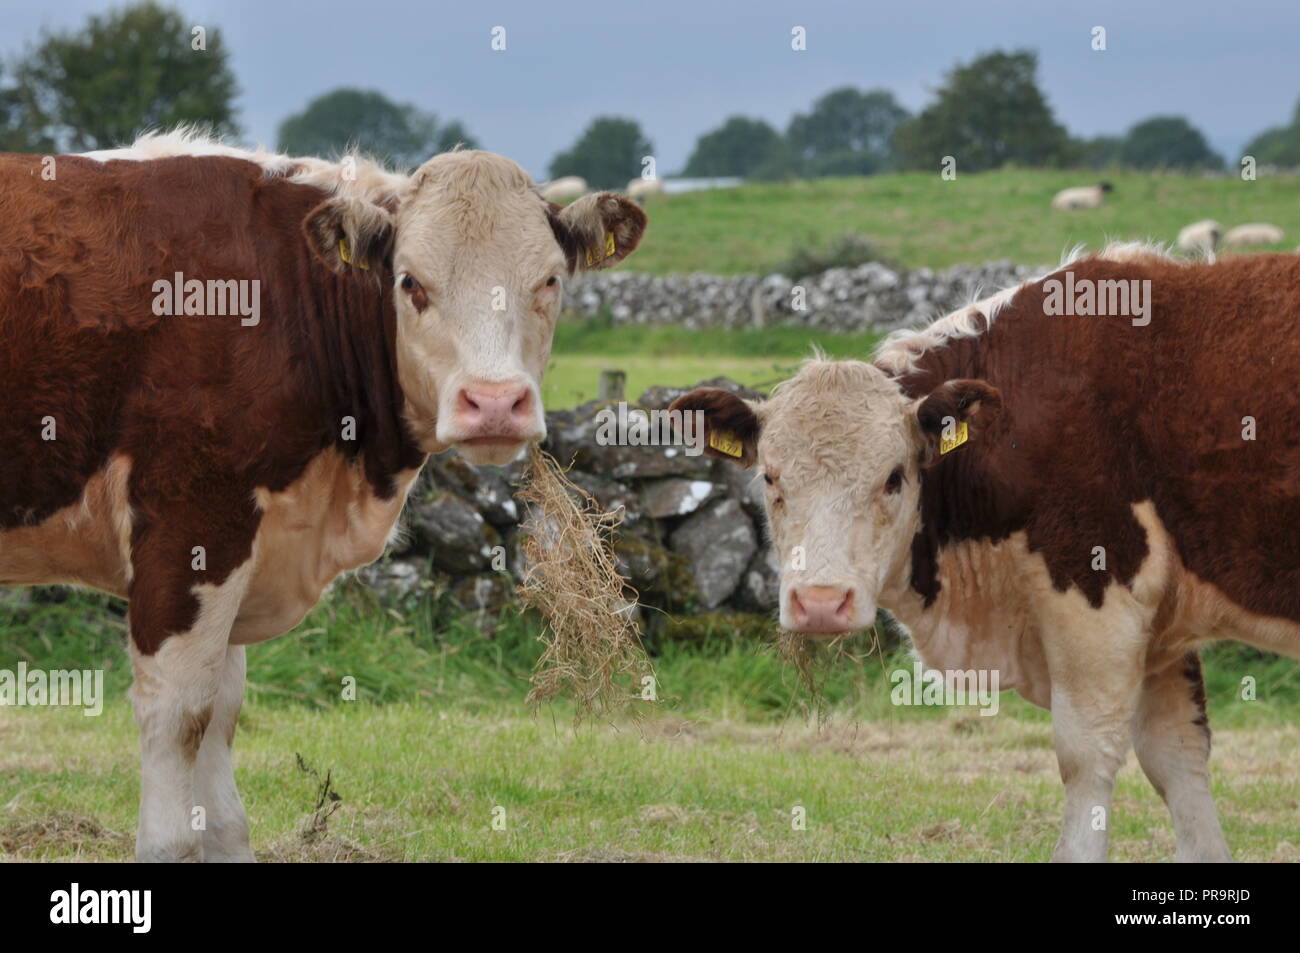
x=767 y=478
x=419 y=298
x=895 y=481
x=551 y=281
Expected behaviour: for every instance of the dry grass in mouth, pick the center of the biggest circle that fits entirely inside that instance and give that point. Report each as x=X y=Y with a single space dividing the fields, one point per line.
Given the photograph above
x=811 y=656
x=593 y=643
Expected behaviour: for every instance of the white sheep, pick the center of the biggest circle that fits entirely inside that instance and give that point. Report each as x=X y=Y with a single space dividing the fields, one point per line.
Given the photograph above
x=639 y=188
x=565 y=189
x=1082 y=196
x=1200 y=238
x=1254 y=233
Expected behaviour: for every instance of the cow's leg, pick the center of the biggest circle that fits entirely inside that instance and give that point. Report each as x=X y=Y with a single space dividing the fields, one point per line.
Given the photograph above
x=225 y=838
x=1172 y=739
x=178 y=677
x=1095 y=659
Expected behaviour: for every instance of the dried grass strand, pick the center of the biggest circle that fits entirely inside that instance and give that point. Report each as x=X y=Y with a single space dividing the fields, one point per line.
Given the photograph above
x=593 y=650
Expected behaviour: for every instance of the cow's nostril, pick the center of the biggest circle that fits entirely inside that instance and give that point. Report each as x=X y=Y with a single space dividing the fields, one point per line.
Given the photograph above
x=846 y=607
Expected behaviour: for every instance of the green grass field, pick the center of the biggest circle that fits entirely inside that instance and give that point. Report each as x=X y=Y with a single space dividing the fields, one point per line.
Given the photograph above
x=919 y=220
x=440 y=742
x=669 y=356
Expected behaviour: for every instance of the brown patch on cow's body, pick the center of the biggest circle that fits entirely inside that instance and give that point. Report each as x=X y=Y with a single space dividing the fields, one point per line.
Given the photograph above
x=1100 y=415
x=206 y=410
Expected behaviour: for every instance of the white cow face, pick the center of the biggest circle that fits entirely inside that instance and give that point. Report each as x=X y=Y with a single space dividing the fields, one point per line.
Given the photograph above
x=477 y=258
x=840 y=451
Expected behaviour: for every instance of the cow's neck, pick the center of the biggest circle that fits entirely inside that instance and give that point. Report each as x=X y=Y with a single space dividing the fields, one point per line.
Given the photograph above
x=970 y=523
x=352 y=373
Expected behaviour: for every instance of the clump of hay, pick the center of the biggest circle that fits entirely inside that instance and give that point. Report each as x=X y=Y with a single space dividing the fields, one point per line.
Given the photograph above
x=593 y=643
x=812 y=657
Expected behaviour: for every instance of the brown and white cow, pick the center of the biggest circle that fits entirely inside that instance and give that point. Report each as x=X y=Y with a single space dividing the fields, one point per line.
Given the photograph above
x=220 y=464
x=1076 y=501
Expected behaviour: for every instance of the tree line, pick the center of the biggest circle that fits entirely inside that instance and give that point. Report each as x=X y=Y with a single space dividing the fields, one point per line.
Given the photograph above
x=144 y=66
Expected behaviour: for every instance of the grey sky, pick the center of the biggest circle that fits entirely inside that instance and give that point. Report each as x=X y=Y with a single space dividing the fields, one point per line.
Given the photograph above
x=681 y=66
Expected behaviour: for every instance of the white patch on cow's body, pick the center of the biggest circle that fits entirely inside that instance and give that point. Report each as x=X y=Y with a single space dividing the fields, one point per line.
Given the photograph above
x=981 y=618
x=175 y=694
x=87 y=543
x=225 y=836
x=326 y=522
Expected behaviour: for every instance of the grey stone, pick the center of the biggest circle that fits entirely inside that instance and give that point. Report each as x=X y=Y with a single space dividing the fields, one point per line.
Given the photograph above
x=456 y=536
x=395 y=579
x=718 y=542
x=676 y=496
x=760 y=587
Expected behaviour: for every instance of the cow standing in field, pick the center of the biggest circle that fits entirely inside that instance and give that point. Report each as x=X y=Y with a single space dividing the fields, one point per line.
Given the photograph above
x=1075 y=499
x=221 y=372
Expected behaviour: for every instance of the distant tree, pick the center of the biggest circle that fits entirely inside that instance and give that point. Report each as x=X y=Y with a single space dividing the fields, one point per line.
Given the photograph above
x=131 y=69
x=344 y=119
x=780 y=164
x=846 y=132
x=1278 y=146
x=737 y=147
x=1167 y=142
x=17 y=132
x=608 y=154
x=986 y=114
x=1097 y=152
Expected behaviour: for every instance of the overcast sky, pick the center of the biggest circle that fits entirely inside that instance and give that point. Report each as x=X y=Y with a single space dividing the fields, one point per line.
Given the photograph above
x=679 y=67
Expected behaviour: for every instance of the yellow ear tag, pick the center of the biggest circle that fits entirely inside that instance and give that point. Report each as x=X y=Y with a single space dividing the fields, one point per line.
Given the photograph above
x=345 y=252
x=960 y=437
x=726 y=443
x=610 y=248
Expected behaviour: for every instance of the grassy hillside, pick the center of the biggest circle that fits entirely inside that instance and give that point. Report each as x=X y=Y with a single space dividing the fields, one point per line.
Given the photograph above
x=917 y=219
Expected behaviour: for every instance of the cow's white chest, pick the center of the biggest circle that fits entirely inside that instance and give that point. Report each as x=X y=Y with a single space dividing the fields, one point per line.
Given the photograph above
x=325 y=523
x=983 y=617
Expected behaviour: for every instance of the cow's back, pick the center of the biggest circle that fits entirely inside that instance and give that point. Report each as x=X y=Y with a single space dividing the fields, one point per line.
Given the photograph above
x=1195 y=410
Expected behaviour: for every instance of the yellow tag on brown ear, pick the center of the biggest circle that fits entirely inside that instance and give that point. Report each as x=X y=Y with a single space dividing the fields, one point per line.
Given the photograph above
x=726 y=443
x=610 y=248
x=344 y=251
x=960 y=437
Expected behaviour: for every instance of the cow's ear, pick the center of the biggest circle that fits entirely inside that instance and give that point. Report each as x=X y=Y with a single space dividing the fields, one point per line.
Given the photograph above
x=597 y=231
x=955 y=414
x=348 y=233
x=721 y=424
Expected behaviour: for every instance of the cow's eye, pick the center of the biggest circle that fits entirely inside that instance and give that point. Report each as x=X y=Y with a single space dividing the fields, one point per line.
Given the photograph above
x=552 y=281
x=895 y=481
x=416 y=292
x=767 y=478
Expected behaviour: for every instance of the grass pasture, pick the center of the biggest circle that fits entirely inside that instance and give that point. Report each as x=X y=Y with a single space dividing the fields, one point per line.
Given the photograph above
x=917 y=219
x=440 y=737
x=668 y=356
